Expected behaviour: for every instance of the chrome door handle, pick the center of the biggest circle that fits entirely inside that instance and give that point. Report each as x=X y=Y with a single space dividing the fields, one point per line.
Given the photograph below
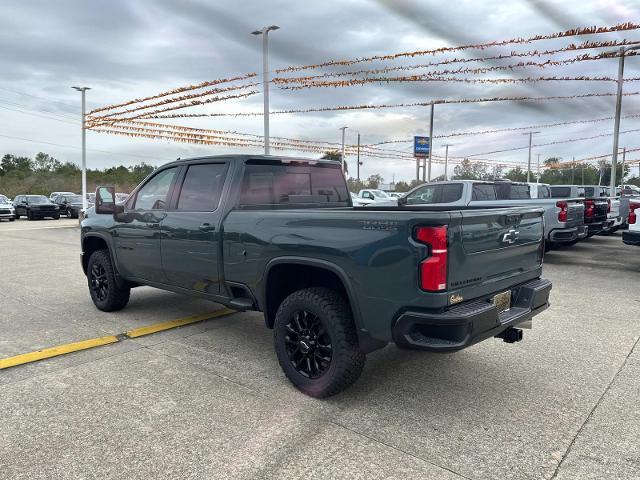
x=206 y=227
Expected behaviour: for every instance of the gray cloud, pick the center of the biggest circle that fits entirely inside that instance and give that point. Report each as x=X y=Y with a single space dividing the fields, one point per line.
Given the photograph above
x=125 y=49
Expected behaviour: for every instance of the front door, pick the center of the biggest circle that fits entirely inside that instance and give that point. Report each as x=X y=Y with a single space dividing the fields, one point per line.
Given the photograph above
x=137 y=233
x=191 y=229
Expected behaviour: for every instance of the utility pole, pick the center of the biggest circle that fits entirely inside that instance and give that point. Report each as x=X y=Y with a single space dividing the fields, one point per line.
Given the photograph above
x=358 y=177
x=83 y=91
x=538 y=170
x=616 y=127
x=582 y=174
x=265 y=79
x=430 y=144
x=624 y=156
x=529 y=162
x=573 y=168
x=446 y=160
x=342 y=159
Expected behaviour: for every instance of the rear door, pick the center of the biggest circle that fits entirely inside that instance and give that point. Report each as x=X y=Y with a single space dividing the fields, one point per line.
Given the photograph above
x=191 y=228
x=495 y=244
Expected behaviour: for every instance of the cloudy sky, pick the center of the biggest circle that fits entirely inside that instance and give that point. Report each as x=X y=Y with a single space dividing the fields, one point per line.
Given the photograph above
x=124 y=49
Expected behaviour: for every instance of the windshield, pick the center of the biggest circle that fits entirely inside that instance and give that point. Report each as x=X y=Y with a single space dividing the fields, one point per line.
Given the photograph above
x=3 y=199
x=37 y=199
x=379 y=194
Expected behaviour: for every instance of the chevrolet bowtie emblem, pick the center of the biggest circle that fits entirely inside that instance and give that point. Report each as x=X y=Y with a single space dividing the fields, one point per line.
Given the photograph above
x=510 y=237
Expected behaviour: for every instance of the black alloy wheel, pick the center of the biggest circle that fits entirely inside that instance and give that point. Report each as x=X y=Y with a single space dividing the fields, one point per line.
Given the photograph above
x=99 y=283
x=308 y=344
x=316 y=341
x=108 y=294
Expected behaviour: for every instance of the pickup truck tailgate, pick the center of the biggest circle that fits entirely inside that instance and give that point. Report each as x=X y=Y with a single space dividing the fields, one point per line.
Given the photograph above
x=495 y=245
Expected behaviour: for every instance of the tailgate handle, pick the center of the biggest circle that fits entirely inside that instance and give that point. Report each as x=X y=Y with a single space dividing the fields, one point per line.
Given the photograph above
x=512 y=220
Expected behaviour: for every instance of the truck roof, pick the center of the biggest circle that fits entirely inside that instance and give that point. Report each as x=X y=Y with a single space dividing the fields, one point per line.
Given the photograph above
x=241 y=157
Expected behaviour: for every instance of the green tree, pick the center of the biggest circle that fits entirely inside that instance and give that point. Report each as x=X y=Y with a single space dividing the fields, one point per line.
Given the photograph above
x=516 y=175
x=374 y=180
x=402 y=186
x=355 y=185
x=468 y=170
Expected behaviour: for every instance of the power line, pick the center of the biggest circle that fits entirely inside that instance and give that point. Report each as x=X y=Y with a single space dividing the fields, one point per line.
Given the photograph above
x=77 y=147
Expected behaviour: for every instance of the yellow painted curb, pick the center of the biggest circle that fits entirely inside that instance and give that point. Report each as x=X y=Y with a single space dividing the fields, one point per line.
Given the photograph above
x=109 y=339
x=56 y=351
x=159 y=327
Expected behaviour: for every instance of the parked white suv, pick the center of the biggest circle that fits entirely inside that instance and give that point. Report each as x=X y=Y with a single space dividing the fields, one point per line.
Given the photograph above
x=632 y=236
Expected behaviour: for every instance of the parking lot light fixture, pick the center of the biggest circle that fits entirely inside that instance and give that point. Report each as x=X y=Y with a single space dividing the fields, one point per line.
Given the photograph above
x=616 y=128
x=83 y=91
x=342 y=154
x=265 y=79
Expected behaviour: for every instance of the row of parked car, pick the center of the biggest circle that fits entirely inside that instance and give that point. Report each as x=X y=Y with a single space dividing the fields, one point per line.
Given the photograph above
x=571 y=212
x=35 y=207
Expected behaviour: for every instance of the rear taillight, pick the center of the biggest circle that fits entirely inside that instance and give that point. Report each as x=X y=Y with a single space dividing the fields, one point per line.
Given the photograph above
x=589 y=208
x=633 y=216
x=433 y=270
x=608 y=205
x=564 y=209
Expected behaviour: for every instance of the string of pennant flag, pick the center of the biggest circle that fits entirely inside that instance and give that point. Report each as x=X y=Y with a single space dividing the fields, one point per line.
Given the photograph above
x=131 y=118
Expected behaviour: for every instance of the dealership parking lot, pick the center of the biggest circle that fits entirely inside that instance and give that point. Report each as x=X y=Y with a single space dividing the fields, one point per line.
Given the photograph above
x=209 y=400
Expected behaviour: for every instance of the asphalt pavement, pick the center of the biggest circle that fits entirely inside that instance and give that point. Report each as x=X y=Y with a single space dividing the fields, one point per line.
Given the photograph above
x=209 y=400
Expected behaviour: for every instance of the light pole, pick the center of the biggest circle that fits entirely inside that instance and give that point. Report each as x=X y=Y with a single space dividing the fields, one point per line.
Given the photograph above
x=446 y=160
x=616 y=128
x=529 y=162
x=265 y=79
x=342 y=155
x=358 y=170
x=430 y=144
x=83 y=91
x=538 y=170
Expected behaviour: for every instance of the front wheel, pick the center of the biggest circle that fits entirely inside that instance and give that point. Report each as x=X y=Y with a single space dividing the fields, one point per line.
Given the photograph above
x=316 y=342
x=103 y=287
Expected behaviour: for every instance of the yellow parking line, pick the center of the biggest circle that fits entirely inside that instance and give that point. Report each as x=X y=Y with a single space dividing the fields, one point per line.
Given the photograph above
x=56 y=351
x=159 y=327
x=109 y=339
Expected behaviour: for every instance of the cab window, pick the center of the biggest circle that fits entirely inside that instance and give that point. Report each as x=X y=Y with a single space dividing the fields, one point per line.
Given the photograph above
x=421 y=196
x=202 y=187
x=483 y=191
x=154 y=194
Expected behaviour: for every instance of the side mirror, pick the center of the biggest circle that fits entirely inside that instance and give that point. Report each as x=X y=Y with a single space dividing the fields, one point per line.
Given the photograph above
x=402 y=201
x=105 y=201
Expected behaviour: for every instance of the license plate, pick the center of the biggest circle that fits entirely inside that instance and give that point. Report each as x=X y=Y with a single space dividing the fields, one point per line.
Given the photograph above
x=502 y=301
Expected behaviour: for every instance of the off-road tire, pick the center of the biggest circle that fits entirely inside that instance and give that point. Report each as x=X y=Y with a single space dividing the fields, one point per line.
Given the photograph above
x=115 y=297
x=333 y=312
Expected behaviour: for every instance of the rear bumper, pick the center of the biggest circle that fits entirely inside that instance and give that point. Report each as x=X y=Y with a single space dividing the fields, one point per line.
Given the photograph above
x=595 y=227
x=463 y=325
x=631 y=238
x=564 y=235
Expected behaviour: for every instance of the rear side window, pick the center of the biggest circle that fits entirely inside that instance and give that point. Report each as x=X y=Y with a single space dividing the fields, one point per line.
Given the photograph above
x=560 y=192
x=483 y=191
x=589 y=192
x=268 y=183
x=451 y=192
x=543 y=191
x=202 y=187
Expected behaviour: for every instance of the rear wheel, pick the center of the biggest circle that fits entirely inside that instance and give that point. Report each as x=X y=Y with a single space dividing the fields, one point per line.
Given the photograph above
x=316 y=342
x=12 y=219
x=103 y=287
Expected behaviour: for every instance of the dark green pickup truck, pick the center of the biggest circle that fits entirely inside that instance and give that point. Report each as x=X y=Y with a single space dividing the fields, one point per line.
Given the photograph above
x=280 y=235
